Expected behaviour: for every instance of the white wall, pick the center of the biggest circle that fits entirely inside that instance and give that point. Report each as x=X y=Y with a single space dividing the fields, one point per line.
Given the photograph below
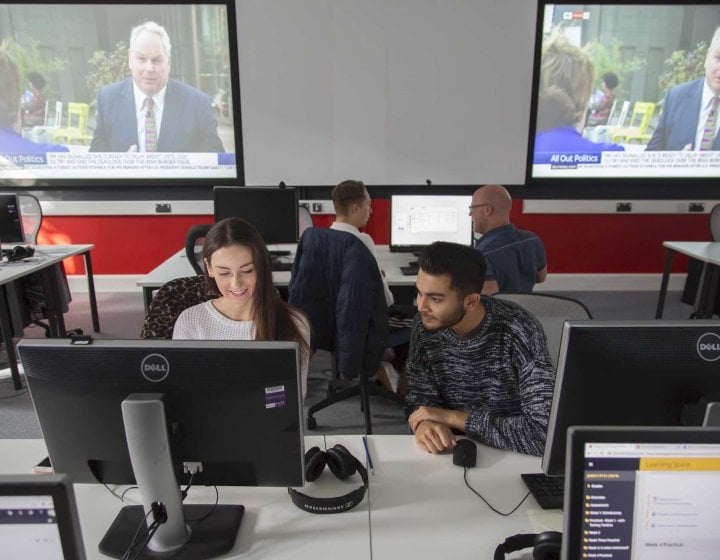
x=387 y=91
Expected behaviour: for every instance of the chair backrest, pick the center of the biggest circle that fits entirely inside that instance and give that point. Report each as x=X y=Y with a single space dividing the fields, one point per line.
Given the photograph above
x=622 y=116
x=31 y=213
x=58 y=115
x=715 y=222
x=78 y=116
x=552 y=311
x=194 y=240
x=172 y=299
x=641 y=115
x=336 y=282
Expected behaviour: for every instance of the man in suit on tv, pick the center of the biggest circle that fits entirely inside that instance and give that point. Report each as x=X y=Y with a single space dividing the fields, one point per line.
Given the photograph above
x=150 y=112
x=689 y=117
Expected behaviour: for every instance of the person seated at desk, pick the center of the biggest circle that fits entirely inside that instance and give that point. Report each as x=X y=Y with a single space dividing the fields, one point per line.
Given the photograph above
x=477 y=364
x=515 y=258
x=237 y=266
x=352 y=204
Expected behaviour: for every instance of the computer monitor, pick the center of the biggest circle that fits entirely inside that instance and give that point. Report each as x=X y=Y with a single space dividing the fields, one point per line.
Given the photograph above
x=10 y=219
x=38 y=518
x=419 y=220
x=631 y=373
x=229 y=411
x=642 y=493
x=272 y=210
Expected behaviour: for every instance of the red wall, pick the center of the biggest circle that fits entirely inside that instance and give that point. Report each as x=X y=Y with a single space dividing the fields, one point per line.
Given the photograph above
x=593 y=243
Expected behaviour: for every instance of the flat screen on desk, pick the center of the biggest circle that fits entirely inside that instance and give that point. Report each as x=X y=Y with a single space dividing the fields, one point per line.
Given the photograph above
x=646 y=133
x=94 y=128
x=233 y=406
x=272 y=210
x=10 y=219
x=631 y=373
x=417 y=221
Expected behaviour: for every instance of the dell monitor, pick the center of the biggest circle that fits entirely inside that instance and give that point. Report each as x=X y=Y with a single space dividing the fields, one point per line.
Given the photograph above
x=10 y=219
x=272 y=210
x=228 y=411
x=419 y=220
x=631 y=373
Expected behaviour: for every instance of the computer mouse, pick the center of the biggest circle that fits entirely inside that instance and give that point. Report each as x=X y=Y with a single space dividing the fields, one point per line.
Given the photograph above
x=465 y=453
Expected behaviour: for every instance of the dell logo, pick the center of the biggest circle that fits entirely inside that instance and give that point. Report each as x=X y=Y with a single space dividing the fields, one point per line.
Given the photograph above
x=155 y=367
x=708 y=347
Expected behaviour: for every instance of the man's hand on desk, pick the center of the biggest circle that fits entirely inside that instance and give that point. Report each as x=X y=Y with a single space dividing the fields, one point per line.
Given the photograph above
x=451 y=418
x=434 y=437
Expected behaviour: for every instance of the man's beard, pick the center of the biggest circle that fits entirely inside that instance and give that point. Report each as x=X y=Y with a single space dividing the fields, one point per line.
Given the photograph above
x=457 y=316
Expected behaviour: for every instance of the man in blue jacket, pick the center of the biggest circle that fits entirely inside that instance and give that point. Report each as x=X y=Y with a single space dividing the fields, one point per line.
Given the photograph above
x=150 y=112
x=689 y=116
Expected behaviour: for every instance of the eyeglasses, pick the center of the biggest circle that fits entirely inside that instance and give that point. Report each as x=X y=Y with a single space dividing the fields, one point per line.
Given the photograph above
x=473 y=206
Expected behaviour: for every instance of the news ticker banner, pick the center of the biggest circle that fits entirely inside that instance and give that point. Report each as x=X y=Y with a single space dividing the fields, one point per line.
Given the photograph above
x=632 y=164
x=113 y=165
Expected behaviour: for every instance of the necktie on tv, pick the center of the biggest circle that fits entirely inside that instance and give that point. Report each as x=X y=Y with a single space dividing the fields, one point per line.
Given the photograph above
x=708 y=136
x=150 y=128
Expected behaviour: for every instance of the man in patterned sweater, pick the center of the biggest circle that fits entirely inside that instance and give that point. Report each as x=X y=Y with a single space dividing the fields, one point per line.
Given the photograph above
x=477 y=365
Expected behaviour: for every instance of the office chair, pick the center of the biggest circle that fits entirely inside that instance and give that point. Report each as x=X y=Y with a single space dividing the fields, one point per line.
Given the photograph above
x=552 y=311
x=172 y=299
x=696 y=268
x=336 y=282
x=194 y=237
x=31 y=215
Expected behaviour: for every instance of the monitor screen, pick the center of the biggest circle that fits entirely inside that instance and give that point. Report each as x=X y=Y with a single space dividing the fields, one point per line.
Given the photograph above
x=10 y=219
x=38 y=518
x=161 y=413
x=99 y=107
x=634 y=373
x=642 y=493
x=234 y=406
x=272 y=210
x=617 y=95
x=417 y=221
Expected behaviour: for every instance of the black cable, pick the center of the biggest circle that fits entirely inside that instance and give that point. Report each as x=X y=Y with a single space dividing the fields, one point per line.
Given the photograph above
x=113 y=492
x=513 y=510
x=122 y=496
x=126 y=556
x=184 y=493
x=146 y=539
x=209 y=513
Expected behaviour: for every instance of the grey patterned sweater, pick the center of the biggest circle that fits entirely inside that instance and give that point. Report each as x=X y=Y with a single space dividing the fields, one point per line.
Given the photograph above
x=501 y=374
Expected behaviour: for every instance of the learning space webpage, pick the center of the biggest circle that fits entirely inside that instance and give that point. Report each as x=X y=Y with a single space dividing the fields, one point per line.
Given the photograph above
x=651 y=502
x=113 y=165
x=28 y=528
x=629 y=164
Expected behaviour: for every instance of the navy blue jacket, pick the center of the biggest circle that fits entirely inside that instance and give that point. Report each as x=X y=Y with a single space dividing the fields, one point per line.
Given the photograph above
x=336 y=282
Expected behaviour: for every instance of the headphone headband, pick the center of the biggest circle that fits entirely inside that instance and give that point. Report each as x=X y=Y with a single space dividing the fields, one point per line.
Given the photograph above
x=337 y=504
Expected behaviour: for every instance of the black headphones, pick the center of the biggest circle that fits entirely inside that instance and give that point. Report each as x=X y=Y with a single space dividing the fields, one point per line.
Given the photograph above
x=343 y=464
x=545 y=545
x=20 y=252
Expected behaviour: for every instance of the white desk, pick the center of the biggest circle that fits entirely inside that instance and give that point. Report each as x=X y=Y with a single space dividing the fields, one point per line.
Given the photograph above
x=417 y=506
x=709 y=254
x=272 y=527
x=177 y=266
x=421 y=508
x=45 y=257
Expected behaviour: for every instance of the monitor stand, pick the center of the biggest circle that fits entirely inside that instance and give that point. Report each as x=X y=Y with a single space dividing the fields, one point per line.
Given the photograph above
x=712 y=415
x=191 y=531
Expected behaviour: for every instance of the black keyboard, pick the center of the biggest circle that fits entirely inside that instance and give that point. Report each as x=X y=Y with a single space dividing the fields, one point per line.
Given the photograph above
x=410 y=270
x=548 y=491
x=281 y=266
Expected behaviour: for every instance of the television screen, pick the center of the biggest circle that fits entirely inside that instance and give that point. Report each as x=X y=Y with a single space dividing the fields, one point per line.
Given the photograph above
x=128 y=91
x=623 y=92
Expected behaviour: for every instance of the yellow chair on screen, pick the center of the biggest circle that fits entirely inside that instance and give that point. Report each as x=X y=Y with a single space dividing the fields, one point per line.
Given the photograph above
x=75 y=131
x=636 y=133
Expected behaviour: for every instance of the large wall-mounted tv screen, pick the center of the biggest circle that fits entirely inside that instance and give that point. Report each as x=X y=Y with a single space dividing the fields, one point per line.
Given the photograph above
x=133 y=92
x=626 y=93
